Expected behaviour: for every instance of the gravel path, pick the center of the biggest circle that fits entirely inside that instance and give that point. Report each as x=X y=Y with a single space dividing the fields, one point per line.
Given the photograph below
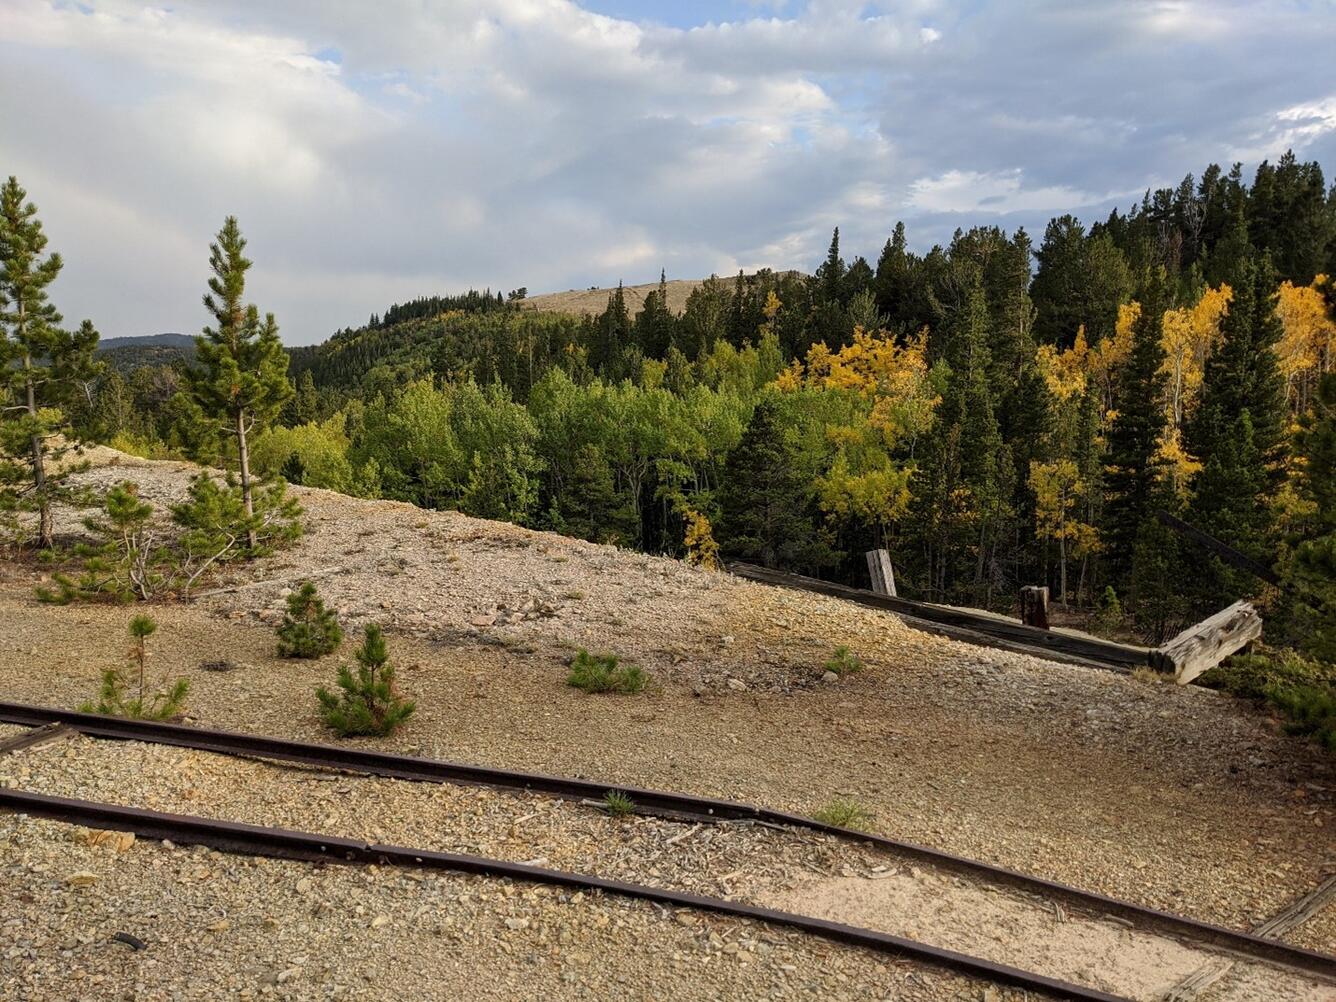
x=215 y=926
x=797 y=871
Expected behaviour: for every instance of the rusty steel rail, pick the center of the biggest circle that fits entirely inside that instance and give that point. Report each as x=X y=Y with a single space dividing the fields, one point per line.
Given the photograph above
x=283 y=843
x=661 y=804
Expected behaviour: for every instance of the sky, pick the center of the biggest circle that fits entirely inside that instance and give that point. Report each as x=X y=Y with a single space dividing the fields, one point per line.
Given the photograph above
x=374 y=152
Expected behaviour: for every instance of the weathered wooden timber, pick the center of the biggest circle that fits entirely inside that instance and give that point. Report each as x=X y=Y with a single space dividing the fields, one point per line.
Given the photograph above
x=1034 y=606
x=970 y=625
x=881 y=572
x=1200 y=648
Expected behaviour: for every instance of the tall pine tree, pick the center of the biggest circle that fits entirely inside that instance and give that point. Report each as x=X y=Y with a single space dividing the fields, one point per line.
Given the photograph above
x=42 y=366
x=1238 y=432
x=1132 y=469
x=240 y=376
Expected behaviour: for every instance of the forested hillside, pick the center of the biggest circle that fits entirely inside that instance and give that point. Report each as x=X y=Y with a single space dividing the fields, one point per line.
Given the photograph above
x=994 y=412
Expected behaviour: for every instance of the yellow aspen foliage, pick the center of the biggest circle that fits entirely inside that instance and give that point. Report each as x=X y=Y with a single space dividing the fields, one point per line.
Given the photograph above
x=1058 y=489
x=1190 y=335
x=1065 y=372
x=702 y=550
x=1308 y=345
x=893 y=376
x=893 y=396
x=1178 y=466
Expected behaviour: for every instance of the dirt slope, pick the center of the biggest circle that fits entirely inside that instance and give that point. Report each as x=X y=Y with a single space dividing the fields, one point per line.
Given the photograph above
x=595 y=301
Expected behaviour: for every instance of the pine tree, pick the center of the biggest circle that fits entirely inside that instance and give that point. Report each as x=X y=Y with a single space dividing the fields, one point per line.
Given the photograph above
x=1132 y=467
x=1312 y=569
x=241 y=372
x=767 y=501
x=369 y=703
x=308 y=630
x=41 y=367
x=1238 y=433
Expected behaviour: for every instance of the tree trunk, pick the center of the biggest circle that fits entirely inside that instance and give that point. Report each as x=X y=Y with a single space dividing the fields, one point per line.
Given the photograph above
x=1062 y=573
x=243 y=451
x=46 y=528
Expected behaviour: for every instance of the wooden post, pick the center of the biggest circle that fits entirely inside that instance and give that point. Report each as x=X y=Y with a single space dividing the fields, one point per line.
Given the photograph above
x=1200 y=648
x=1034 y=606
x=880 y=570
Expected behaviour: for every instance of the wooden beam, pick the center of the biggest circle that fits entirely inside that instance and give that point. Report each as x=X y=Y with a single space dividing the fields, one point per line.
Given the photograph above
x=1294 y=915
x=881 y=572
x=1224 y=551
x=1200 y=648
x=972 y=626
x=1034 y=606
x=36 y=736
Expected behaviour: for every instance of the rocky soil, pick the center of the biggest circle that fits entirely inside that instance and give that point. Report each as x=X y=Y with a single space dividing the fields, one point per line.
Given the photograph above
x=1178 y=798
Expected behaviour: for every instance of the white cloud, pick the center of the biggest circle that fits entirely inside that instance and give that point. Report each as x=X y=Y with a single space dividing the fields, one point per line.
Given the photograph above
x=1001 y=192
x=379 y=151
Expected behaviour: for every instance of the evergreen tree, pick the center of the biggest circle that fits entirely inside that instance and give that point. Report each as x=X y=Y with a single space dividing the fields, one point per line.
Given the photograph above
x=767 y=501
x=369 y=703
x=1132 y=467
x=240 y=378
x=41 y=367
x=308 y=630
x=1312 y=569
x=1238 y=434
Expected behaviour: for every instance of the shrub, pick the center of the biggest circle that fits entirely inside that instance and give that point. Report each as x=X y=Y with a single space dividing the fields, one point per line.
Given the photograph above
x=126 y=559
x=602 y=673
x=1303 y=690
x=161 y=704
x=308 y=630
x=369 y=703
x=1108 y=612
x=844 y=812
x=618 y=804
x=844 y=662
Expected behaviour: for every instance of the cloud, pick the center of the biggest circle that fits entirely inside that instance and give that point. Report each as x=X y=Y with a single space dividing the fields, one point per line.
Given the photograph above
x=377 y=152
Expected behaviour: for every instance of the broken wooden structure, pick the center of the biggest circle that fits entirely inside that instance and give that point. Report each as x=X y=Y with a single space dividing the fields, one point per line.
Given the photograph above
x=1195 y=650
x=1034 y=606
x=881 y=572
x=1200 y=648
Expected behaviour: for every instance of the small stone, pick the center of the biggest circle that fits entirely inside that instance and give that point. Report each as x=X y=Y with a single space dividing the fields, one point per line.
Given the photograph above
x=737 y=685
x=516 y=924
x=81 y=878
x=830 y=676
x=285 y=976
x=380 y=921
x=222 y=925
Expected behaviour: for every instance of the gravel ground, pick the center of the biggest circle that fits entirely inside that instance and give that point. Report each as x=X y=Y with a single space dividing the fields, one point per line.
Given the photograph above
x=1177 y=798
x=796 y=871
x=216 y=926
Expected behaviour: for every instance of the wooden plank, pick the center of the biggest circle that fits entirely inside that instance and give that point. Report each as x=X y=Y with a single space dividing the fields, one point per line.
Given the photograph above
x=1291 y=917
x=975 y=627
x=1200 y=648
x=36 y=736
x=1034 y=606
x=1224 y=551
x=881 y=572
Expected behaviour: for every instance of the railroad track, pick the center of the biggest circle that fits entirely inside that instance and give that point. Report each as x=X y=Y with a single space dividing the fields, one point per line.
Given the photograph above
x=301 y=845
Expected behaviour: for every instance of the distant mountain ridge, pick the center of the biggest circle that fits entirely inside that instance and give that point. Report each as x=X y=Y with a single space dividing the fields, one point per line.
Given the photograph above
x=125 y=354
x=183 y=342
